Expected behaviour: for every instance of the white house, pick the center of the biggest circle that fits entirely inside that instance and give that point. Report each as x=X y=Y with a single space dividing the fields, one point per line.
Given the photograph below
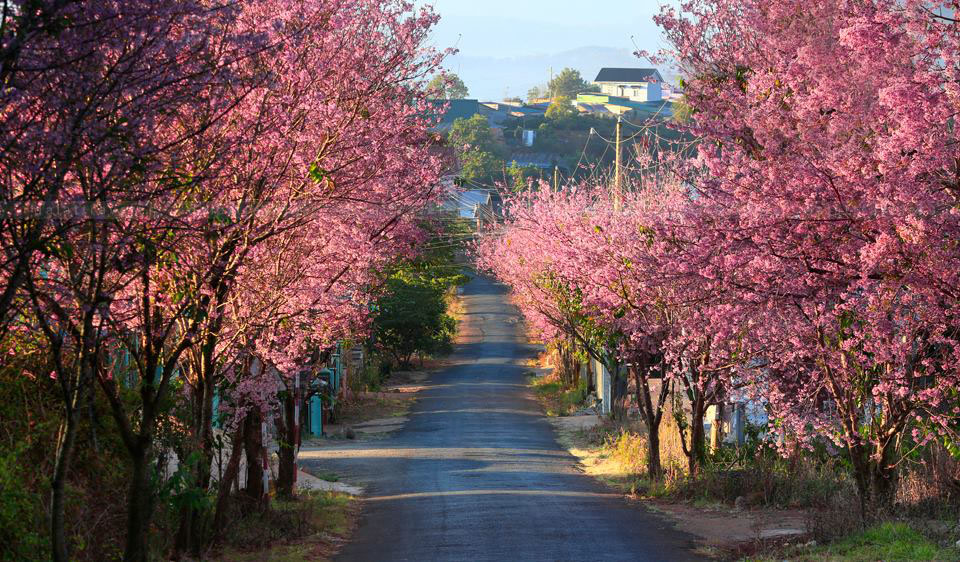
x=635 y=84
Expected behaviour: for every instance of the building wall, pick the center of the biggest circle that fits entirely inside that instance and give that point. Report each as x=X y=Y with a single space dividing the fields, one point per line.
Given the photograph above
x=609 y=89
x=653 y=92
x=638 y=92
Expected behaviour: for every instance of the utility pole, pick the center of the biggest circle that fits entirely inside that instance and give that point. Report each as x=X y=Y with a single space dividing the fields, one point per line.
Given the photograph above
x=616 y=172
x=556 y=178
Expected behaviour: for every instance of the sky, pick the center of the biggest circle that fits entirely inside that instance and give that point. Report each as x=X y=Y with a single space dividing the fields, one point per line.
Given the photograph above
x=507 y=46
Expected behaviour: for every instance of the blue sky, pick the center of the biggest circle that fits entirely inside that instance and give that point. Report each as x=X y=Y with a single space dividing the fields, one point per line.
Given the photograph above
x=534 y=33
x=502 y=28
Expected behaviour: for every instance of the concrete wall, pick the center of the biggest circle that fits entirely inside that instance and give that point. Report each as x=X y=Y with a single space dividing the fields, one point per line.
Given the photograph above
x=604 y=385
x=639 y=92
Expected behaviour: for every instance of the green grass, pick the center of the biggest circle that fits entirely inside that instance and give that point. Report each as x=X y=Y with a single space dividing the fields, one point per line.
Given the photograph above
x=546 y=388
x=885 y=542
x=555 y=399
x=328 y=476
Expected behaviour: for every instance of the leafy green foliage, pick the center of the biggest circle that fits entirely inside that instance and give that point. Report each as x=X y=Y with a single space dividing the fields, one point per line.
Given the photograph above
x=412 y=313
x=887 y=541
x=478 y=153
x=448 y=86
x=561 y=110
x=412 y=317
x=568 y=83
x=21 y=519
x=520 y=177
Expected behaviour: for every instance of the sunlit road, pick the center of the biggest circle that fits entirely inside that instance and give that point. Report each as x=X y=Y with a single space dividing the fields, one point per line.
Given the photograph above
x=477 y=473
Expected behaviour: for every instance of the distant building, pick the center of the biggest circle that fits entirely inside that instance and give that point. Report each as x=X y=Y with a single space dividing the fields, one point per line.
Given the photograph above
x=499 y=113
x=605 y=105
x=635 y=84
x=539 y=160
x=458 y=202
x=528 y=137
x=455 y=109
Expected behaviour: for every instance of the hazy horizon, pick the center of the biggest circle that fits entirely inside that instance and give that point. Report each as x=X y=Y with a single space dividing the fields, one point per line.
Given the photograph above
x=519 y=37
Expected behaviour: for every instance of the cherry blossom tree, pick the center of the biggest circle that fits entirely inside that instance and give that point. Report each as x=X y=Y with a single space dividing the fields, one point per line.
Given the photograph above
x=827 y=190
x=327 y=153
x=532 y=254
x=89 y=101
x=177 y=146
x=613 y=256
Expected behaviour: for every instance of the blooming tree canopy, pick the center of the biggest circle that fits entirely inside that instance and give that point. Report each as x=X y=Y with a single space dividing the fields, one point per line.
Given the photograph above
x=826 y=181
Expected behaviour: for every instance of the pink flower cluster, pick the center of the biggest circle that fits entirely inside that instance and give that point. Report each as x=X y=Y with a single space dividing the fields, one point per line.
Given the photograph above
x=191 y=185
x=808 y=251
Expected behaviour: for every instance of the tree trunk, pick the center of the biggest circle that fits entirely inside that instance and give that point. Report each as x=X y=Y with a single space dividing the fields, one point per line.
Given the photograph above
x=58 y=485
x=876 y=481
x=287 y=466
x=193 y=524
x=698 y=443
x=229 y=477
x=618 y=398
x=652 y=414
x=80 y=374
x=139 y=506
x=253 y=447
x=591 y=385
x=654 y=466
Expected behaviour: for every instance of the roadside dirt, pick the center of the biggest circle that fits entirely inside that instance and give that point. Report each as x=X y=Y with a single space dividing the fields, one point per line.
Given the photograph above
x=373 y=415
x=721 y=531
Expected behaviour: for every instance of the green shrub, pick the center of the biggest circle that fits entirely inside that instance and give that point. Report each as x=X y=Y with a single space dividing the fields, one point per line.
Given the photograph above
x=23 y=526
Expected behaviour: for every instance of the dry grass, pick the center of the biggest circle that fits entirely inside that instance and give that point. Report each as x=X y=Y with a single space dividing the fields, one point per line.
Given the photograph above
x=372 y=407
x=455 y=306
x=618 y=451
x=556 y=400
x=616 y=454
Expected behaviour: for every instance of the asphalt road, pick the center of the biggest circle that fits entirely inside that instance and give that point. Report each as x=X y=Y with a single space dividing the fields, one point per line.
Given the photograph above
x=477 y=473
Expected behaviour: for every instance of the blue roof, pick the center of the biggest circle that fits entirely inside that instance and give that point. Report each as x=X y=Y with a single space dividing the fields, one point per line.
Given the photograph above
x=470 y=199
x=456 y=109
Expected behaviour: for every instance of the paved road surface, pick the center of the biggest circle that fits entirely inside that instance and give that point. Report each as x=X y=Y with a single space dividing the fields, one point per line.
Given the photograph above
x=477 y=473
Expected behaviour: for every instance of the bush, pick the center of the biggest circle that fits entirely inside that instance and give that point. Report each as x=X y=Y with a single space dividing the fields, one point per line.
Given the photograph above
x=288 y=520
x=412 y=318
x=371 y=375
x=30 y=418
x=23 y=526
x=629 y=449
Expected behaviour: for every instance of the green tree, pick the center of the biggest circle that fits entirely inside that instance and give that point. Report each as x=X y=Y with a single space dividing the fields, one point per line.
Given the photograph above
x=478 y=153
x=568 y=83
x=448 y=86
x=412 y=312
x=412 y=317
x=520 y=177
x=561 y=110
x=536 y=93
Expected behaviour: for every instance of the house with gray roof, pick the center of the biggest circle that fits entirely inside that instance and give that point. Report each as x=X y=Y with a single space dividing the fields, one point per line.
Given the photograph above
x=635 y=84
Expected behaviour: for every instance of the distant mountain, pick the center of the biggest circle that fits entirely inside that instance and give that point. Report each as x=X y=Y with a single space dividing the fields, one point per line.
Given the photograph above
x=490 y=78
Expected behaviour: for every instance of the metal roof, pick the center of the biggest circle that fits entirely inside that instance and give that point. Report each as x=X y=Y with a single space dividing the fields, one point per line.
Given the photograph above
x=455 y=109
x=628 y=75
